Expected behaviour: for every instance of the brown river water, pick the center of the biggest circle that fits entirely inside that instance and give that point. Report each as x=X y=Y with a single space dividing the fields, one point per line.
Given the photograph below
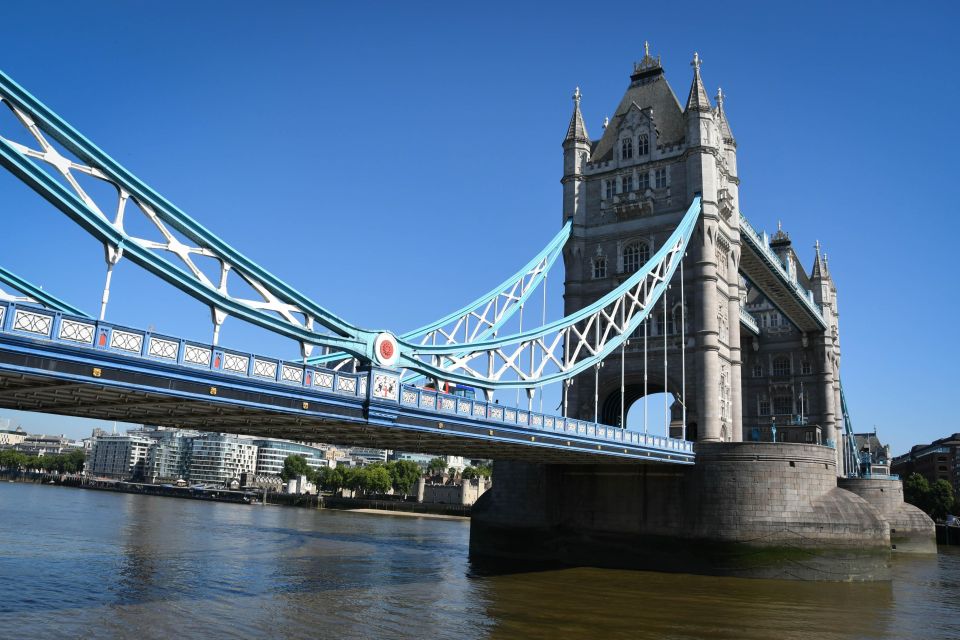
x=88 y=564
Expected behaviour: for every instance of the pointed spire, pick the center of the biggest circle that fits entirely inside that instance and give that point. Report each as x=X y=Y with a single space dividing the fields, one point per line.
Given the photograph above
x=819 y=268
x=725 y=131
x=697 y=100
x=648 y=67
x=577 y=131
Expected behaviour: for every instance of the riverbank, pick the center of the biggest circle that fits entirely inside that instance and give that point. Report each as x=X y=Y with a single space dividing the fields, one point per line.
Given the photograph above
x=358 y=505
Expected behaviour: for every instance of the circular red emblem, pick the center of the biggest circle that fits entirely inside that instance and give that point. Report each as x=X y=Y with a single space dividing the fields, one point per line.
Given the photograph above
x=386 y=349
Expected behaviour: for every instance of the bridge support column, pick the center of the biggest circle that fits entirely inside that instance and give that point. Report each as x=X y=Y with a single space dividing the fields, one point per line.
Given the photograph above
x=736 y=391
x=707 y=358
x=745 y=509
x=828 y=419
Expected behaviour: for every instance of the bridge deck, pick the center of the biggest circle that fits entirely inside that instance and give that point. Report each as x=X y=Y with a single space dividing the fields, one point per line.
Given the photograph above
x=55 y=363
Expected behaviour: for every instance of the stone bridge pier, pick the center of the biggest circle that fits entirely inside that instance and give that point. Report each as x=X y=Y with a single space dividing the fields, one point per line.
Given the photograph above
x=746 y=509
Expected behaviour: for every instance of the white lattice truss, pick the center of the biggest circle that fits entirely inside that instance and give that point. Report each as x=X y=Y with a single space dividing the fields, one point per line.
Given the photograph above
x=564 y=348
x=180 y=244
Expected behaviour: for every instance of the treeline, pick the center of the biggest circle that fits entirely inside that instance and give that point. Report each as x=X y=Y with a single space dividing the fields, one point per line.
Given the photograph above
x=71 y=462
x=376 y=478
x=936 y=499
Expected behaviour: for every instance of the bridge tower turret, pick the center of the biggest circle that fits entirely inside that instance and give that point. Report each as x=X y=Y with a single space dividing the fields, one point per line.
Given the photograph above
x=576 y=154
x=711 y=171
x=828 y=347
x=626 y=193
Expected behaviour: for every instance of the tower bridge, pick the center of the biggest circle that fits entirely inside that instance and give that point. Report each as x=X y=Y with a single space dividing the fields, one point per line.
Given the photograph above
x=668 y=288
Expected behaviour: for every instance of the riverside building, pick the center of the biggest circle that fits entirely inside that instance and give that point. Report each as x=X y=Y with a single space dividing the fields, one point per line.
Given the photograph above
x=118 y=456
x=272 y=453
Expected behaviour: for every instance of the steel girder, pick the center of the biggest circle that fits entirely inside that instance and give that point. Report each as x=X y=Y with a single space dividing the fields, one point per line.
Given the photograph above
x=584 y=338
x=484 y=316
x=33 y=293
x=564 y=348
x=281 y=309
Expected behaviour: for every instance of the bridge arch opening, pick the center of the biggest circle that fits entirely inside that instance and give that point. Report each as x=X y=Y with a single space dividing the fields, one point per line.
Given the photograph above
x=656 y=410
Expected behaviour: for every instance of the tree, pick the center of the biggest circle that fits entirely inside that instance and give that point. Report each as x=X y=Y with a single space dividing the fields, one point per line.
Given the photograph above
x=916 y=491
x=376 y=479
x=436 y=466
x=403 y=475
x=941 y=499
x=295 y=466
x=937 y=500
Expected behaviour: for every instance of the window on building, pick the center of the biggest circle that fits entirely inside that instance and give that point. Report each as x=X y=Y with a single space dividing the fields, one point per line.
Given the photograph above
x=661 y=177
x=599 y=267
x=808 y=436
x=781 y=366
x=774 y=319
x=783 y=405
x=627 y=149
x=609 y=189
x=643 y=145
x=643 y=181
x=631 y=258
x=626 y=183
x=806 y=368
x=758 y=371
x=764 y=406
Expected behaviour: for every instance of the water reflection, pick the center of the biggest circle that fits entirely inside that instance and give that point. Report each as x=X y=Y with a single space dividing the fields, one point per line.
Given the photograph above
x=89 y=564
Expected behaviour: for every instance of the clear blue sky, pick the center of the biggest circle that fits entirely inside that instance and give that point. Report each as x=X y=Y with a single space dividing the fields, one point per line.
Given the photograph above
x=392 y=160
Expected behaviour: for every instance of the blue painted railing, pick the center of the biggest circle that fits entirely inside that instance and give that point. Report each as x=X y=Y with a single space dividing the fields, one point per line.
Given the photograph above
x=77 y=331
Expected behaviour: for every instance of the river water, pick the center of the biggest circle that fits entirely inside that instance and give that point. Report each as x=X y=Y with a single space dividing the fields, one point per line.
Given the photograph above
x=89 y=564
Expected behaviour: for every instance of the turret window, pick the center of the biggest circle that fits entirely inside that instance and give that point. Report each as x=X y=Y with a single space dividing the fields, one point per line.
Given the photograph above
x=631 y=257
x=763 y=406
x=626 y=149
x=781 y=366
x=643 y=181
x=599 y=267
x=643 y=145
x=661 y=178
x=783 y=405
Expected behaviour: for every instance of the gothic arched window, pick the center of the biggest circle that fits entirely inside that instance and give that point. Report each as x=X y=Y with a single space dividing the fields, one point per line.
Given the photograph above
x=781 y=366
x=643 y=145
x=631 y=258
x=626 y=149
x=626 y=183
x=599 y=267
x=635 y=255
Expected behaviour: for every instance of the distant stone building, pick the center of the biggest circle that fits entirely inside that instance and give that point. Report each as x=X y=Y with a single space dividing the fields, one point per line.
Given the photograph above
x=939 y=460
x=11 y=437
x=872 y=455
x=43 y=445
x=119 y=457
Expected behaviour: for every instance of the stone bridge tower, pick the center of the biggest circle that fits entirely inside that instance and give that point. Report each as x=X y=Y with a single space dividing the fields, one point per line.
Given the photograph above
x=626 y=193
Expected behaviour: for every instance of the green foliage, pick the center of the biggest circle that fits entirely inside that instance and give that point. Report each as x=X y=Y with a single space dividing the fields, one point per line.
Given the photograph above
x=70 y=462
x=376 y=479
x=436 y=466
x=479 y=471
x=404 y=475
x=937 y=500
x=295 y=466
x=916 y=491
x=330 y=479
x=941 y=499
